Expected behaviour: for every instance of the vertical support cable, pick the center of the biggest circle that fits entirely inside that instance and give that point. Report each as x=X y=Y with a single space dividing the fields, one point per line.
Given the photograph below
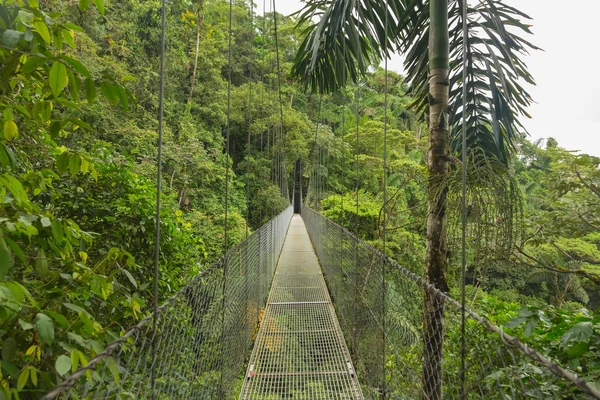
x=315 y=184
x=226 y=230
x=161 y=109
x=280 y=158
x=356 y=155
x=463 y=347
x=250 y=113
x=385 y=200
x=262 y=92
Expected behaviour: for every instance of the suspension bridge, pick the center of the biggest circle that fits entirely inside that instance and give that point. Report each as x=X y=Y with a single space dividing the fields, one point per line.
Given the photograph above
x=301 y=310
x=304 y=309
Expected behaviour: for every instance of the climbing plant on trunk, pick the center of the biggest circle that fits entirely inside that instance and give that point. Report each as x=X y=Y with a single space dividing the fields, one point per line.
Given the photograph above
x=345 y=37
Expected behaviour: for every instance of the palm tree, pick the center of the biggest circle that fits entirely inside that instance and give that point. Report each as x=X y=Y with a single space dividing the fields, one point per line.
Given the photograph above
x=345 y=37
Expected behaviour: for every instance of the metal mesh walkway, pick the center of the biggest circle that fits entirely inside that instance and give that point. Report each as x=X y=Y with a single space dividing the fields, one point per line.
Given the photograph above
x=299 y=351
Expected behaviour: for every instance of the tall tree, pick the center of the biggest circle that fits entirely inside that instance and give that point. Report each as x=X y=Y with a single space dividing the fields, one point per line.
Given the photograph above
x=345 y=37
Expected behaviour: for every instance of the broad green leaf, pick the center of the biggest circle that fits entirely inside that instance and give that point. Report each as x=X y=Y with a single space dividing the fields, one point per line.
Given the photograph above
x=110 y=92
x=579 y=333
x=9 y=349
x=73 y=307
x=72 y=26
x=10 y=38
x=23 y=378
x=6 y=260
x=26 y=326
x=57 y=231
x=16 y=249
x=90 y=90
x=100 y=5
x=69 y=38
x=77 y=66
x=63 y=365
x=41 y=28
x=130 y=277
x=84 y=4
x=58 y=78
x=74 y=360
x=45 y=328
x=7 y=158
x=33 y=376
x=11 y=130
x=59 y=318
x=41 y=263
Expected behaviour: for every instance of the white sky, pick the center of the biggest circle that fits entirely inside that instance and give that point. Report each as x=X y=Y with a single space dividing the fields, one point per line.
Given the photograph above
x=567 y=94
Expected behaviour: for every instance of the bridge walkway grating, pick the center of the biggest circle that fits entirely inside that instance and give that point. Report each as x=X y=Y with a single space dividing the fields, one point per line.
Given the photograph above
x=299 y=352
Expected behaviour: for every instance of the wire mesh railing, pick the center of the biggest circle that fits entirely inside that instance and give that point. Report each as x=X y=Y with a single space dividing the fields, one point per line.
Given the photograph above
x=404 y=335
x=203 y=333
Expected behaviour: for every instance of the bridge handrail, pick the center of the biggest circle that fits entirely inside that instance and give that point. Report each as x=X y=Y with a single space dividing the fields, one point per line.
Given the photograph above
x=506 y=339
x=109 y=351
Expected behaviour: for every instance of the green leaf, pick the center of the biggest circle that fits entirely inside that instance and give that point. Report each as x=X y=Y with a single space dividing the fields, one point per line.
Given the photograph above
x=26 y=326
x=73 y=307
x=23 y=378
x=41 y=28
x=74 y=360
x=33 y=376
x=17 y=251
x=110 y=92
x=530 y=327
x=59 y=318
x=130 y=277
x=11 y=130
x=579 y=333
x=100 y=5
x=63 y=365
x=58 y=78
x=77 y=66
x=9 y=349
x=45 y=328
x=10 y=38
x=84 y=4
x=41 y=263
x=57 y=231
x=69 y=38
x=7 y=158
x=72 y=26
x=6 y=260
x=90 y=90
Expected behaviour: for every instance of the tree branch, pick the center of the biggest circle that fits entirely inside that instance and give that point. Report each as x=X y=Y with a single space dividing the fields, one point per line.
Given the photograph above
x=557 y=269
x=588 y=185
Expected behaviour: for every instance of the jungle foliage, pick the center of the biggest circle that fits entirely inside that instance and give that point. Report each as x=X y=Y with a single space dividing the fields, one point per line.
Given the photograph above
x=78 y=104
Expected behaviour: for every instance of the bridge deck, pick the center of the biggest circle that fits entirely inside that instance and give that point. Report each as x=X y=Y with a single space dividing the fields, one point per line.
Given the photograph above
x=299 y=352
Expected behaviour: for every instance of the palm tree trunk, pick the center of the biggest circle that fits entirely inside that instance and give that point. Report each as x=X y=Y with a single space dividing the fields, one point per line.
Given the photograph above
x=437 y=246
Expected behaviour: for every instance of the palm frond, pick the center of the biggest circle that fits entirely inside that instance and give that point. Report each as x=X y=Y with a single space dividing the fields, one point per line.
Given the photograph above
x=350 y=35
x=495 y=73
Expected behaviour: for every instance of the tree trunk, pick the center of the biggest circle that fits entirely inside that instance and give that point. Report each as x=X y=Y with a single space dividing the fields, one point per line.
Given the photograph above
x=198 y=37
x=437 y=246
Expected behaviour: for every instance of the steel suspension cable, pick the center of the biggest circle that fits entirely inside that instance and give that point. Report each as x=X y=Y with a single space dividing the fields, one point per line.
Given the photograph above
x=226 y=230
x=343 y=128
x=249 y=150
x=280 y=157
x=262 y=92
x=161 y=109
x=357 y=219
x=385 y=199
x=315 y=158
x=463 y=349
